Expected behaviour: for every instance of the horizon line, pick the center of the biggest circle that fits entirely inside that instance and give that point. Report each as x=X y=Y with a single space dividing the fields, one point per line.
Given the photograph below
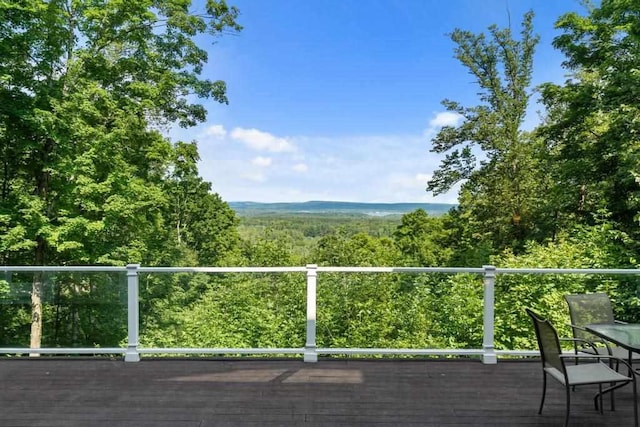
x=343 y=201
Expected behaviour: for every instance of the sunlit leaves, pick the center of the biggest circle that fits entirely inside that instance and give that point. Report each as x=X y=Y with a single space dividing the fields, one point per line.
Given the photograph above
x=593 y=118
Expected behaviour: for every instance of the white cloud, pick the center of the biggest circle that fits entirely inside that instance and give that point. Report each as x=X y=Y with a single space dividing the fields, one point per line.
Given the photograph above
x=365 y=168
x=445 y=118
x=215 y=131
x=441 y=119
x=254 y=176
x=423 y=178
x=412 y=187
x=262 y=161
x=300 y=167
x=262 y=141
x=403 y=181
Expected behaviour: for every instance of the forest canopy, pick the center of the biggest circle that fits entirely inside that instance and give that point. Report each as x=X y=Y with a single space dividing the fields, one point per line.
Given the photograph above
x=89 y=177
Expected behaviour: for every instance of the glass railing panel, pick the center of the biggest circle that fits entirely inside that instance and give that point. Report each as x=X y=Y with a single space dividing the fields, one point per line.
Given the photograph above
x=79 y=309
x=544 y=293
x=222 y=310
x=400 y=311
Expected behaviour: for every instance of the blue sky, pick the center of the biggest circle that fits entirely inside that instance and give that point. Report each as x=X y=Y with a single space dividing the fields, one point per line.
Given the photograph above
x=337 y=100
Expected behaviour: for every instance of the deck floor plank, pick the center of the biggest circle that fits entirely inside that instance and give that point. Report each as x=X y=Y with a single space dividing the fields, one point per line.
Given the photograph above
x=250 y=392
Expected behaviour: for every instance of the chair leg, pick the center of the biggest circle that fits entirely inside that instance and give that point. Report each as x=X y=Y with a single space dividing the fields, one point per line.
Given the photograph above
x=613 y=397
x=600 y=397
x=544 y=391
x=566 y=415
x=635 y=402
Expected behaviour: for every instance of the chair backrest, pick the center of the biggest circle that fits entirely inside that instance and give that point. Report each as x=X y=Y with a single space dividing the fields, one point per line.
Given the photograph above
x=548 y=342
x=589 y=308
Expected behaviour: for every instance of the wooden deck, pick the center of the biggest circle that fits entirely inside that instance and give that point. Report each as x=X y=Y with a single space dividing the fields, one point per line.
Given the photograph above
x=210 y=392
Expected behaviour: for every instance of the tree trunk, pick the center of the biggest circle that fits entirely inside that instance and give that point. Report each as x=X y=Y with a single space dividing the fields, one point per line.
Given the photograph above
x=43 y=183
x=36 y=313
x=36 y=299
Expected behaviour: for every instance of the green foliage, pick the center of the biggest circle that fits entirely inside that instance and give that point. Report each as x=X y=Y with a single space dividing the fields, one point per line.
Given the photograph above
x=234 y=311
x=356 y=250
x=203 y=227
x=269 y=251
x=501 y=193
x=84 y=88
x=592 y=125
x=420 y=238
x=468 y=242
x=375 y=311
x=458 y=311
x=300 y=233
x=592 y=247
x=79 y=310
x=87 y=177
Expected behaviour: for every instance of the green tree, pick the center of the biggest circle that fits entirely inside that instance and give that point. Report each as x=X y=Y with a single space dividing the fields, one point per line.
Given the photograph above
x=595 y=246
x=204 y=228
x=270 y=250
x=488 y=151
x=592 y=126
x=360 y=249
x=419 y=238
x=84 y=86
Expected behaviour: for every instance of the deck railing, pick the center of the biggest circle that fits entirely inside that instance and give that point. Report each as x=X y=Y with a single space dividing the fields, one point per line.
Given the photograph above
x=310 y=351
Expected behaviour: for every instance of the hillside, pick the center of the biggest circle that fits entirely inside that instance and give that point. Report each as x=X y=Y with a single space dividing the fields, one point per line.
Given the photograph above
x=330 y=207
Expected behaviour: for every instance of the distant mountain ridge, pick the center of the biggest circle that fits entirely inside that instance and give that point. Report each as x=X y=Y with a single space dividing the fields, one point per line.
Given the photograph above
x=328 y=207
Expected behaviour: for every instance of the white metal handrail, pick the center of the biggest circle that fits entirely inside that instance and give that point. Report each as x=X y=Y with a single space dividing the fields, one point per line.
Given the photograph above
x=310 y=352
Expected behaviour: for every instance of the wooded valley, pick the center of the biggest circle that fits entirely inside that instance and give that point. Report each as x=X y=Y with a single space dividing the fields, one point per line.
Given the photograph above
x=89 y=178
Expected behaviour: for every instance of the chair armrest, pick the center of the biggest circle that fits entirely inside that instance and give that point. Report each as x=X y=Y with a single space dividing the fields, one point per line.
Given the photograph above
x=597 y=338
x=572 y=326
x=583 y=329
x=583 y=341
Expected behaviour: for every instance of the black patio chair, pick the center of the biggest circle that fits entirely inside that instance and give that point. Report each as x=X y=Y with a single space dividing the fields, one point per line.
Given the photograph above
x=594 y=308
x=569 y=375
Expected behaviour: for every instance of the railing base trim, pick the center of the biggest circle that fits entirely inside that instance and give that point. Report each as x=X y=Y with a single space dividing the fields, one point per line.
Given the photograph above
x=402 y=351
x=191 y=350
x=131 y=356
x=61 y=350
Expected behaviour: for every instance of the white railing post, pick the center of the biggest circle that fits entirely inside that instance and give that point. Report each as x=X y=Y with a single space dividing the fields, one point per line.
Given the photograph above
x=133 y=314
x=489 y=281
x=310 y=354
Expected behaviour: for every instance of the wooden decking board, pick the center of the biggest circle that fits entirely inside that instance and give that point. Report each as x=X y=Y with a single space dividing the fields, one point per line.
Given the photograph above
x=201 y=392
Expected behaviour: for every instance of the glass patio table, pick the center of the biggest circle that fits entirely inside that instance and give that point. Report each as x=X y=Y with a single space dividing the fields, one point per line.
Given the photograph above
x=625 y=335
